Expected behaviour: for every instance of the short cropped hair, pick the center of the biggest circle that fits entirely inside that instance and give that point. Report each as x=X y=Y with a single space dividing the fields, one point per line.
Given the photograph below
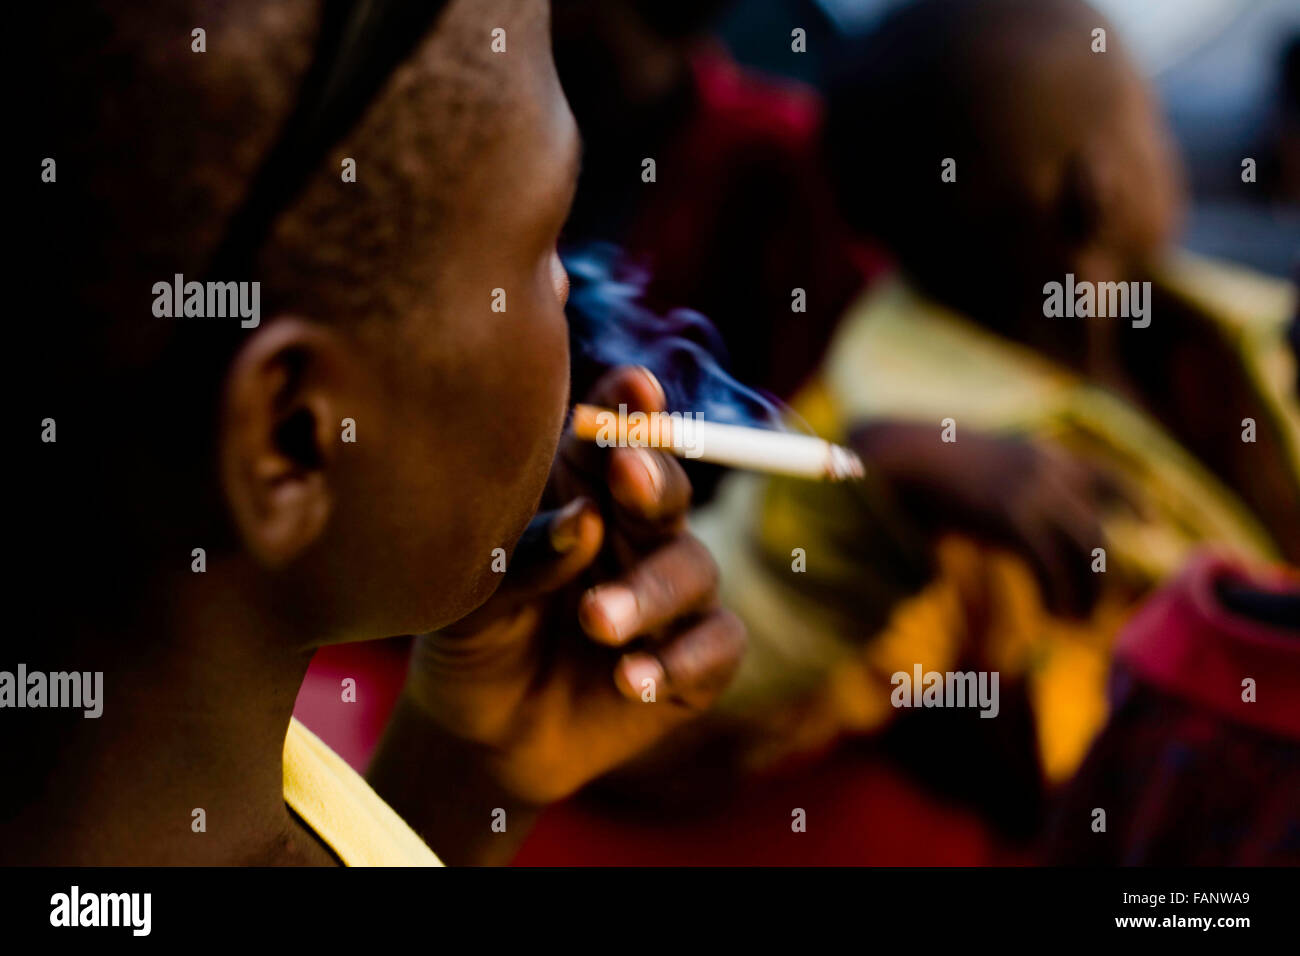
x=170 y=159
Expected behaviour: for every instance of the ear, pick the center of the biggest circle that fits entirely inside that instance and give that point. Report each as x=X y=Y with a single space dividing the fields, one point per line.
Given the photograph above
x=1083 y=198
x=278 y=435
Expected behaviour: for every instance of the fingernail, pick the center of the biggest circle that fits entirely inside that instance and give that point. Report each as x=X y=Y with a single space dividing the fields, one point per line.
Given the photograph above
x=636 y=669
x=566 y=529
x=662 y=402
x=628 y=490
x=653 y=470
x=617 y=605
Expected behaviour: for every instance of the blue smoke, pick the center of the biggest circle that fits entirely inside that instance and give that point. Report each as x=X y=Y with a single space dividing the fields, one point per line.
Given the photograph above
x=608 y=326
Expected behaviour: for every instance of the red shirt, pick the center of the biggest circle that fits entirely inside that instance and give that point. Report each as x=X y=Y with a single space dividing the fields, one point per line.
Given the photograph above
x=1187 y=772
x=742 y=215
x=1186 y=643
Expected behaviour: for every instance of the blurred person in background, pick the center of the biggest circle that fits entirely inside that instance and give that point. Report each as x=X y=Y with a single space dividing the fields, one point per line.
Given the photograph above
x=739 y=215
x=1072 y=434
x=1199 y=763
x=1057 y=454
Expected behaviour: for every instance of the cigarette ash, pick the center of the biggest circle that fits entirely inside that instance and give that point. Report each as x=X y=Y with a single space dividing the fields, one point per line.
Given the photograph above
x=608 y=327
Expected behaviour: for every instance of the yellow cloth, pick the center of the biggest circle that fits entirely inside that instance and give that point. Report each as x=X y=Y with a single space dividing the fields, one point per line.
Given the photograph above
x=872 y=598
x=337 y=803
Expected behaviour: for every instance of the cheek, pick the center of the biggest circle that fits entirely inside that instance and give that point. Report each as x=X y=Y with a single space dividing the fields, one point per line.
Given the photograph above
x=533 y=354
x=546 y=367
x=517 y=452
x=548 y=364
x=559 y=279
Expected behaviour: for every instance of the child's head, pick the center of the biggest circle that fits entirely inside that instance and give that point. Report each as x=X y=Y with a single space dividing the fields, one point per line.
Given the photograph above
x=379 y=300
x=1062 y=163
x=625 y=66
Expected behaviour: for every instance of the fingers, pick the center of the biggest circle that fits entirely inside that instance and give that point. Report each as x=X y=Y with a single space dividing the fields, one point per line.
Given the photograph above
x=648 y=490
x=658 y=689
x=1082 y=587
x=635 y=385
x=1059 y=524
x=1056 y=579
x=678 y=579
x=554 y=549
x=691 y=668
x=651 y=491
x=1112 y=492
x=1076 y=514
x=629 y=385
x=1060 y=563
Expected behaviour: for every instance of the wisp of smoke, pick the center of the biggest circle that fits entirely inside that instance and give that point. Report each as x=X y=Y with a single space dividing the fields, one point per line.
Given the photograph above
x=608 y=327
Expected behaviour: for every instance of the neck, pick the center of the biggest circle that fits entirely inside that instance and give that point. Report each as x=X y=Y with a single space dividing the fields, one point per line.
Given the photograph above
x=195 y=722
x=1088 y=346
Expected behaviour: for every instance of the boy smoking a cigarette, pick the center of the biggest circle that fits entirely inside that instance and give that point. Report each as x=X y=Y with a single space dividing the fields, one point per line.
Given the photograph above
x=375 y=309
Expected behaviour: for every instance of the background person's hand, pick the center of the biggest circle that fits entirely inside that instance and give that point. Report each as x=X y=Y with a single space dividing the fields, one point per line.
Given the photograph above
x=604 y=635
x=1032 y=498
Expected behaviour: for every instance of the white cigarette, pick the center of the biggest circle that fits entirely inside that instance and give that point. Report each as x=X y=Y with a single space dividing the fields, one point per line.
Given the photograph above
x=688 y=436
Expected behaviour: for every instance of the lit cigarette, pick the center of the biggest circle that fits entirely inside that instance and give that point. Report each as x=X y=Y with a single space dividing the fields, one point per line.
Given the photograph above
x=689 y=436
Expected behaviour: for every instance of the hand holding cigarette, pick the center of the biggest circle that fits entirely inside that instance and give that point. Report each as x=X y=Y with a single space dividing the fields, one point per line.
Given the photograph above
x=604 y=635
x=736 y=446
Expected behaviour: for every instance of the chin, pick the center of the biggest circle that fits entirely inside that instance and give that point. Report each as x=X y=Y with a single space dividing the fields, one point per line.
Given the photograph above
x=480 y=591
x=446 y=608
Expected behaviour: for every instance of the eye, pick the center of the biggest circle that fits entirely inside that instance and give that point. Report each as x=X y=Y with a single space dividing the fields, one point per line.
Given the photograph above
x=559 y=278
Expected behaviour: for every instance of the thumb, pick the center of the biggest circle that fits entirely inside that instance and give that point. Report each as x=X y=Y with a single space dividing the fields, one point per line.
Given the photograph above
x=554 y=549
